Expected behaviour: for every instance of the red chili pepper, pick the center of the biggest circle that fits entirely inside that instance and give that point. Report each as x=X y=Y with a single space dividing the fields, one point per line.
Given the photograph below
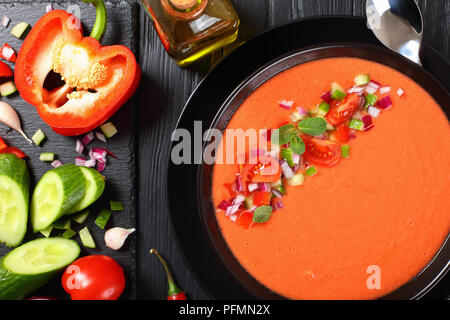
x=98 y=80
x=8 y=53
x=5 y=70
x=175 y=293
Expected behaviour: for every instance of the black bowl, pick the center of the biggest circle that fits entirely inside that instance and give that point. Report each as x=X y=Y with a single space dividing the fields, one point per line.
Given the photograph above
x=192 y=212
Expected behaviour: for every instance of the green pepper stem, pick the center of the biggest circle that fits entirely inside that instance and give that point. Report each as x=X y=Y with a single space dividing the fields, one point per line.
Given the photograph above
x=101 y=20
x=173 y=289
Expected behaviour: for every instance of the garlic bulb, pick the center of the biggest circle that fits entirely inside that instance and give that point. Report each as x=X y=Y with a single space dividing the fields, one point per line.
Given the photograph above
x=115 y=237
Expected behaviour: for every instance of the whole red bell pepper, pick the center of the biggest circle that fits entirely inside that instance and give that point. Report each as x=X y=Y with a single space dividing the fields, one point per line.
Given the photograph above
x=98 y=80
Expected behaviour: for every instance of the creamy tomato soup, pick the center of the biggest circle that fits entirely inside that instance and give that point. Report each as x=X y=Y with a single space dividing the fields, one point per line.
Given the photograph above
x=387 y=205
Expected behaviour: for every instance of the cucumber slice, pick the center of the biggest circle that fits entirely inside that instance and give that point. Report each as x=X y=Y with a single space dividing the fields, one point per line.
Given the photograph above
x=108 y=129
x=86 y=238
x=7 y=88
x=47 y=156
x=81 y=217
x=95 y=185
x=296 y=180
x=63 y=223
x=38 y=137
x=345 y=150
x=116 y=206
x=56 y=194
x=362 y=79
x=337 y=92
x=19 y=29
x=323 y=108
x=33 y=264
x=69 y=233
x=102 y=218
x=14 y=196
x=46 y=233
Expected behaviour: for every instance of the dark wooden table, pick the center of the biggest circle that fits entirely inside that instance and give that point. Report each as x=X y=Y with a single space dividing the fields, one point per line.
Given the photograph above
x=164 y=90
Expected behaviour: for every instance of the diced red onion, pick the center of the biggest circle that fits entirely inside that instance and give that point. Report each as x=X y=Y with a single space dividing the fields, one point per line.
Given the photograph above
x=361 y=102
x=385 y=103
x=233 y=217
x=56 y=163
x=373 y=111
x=239 y=185
x=358 y=90
x=252 y=208
x=5 y=21
x=49 y=7
x=109 y=153
x=374 y=84
x=296 y=158
x=7 y=52
x=253 y=186
x=100 y=136
x=326 y=97
x=239 y=199
x=352 y=134
x=80 y=161
x=286 y=104
x=286 y=169
x=371 y=90
x=385 y=89
x=233 y=209
x=264 y=187
x=277 y=193
x=367 y=120
x=277 y=205
x=88 y=138
x=98 y=154
x=90 y=163
x=101 y=166
x=79 y=147
x=302 y=111
x=400 y=92
x=224 y=205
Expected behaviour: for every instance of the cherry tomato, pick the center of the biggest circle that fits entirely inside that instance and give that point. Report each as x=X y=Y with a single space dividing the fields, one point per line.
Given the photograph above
x=261 y=198
x=343 y=110
x=266 y=169
x=94 y=277
x=245 y=219
x=321 y=152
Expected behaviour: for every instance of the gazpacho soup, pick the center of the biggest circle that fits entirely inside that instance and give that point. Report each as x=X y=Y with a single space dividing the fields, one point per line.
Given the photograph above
x=345 y=195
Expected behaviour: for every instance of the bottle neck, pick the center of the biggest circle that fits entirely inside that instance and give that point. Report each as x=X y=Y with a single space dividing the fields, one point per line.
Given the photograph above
x=184 y=9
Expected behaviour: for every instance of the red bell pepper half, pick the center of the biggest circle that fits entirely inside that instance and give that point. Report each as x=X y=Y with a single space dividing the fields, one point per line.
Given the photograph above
x=4 y=148
x=98 y=80
x=5 y=70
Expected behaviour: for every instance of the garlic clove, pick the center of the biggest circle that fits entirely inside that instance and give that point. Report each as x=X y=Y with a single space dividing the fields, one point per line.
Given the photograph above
x=9 y=116
x=115 y=237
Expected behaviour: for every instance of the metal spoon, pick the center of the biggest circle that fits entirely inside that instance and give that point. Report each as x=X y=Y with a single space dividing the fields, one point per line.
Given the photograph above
x=398 y=24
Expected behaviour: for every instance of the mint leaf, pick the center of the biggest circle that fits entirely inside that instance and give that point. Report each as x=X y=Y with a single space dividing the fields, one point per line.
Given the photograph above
x=283 y=134
x=313 y=126
x=288 y=155
x=297 y=146
x=262 y=214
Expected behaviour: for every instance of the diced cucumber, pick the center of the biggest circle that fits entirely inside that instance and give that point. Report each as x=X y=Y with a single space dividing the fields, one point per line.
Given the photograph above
x=356 y=124
x=371 y=99
x=38 y=137
x=297 y=180
x=86 y=238
x=323 y=108
x=108 y=129
x=46 y=233
x=19 y=29
x=116 y=206
x=281 y=189
x=248 y=202
x=288 y=155
x=69 y=233
x=14 y=197
x=102 y=218
x=362 y=79
x=311 y=171
x=33 y=264
x=56 y=194
x=81 y=217
x=337 y=92
x=345 y=150
x=95 y=185
x=63 y=223
x=47 y=156
x=7 y=88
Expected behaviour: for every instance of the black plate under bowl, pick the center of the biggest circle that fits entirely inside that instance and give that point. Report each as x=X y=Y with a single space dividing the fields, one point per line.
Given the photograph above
x=214 y=102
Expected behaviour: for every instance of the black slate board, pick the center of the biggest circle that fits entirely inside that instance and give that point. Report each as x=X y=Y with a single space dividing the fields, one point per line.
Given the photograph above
x=120 y=174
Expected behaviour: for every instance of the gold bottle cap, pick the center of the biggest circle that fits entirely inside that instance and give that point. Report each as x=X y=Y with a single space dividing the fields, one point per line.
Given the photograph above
x=183 y=4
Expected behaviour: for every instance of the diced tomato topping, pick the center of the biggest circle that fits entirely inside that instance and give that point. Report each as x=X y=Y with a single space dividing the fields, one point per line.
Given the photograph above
x=267 y=169
x=245 y=219
x=321 y=152
x=343 y=110
x=342 y=133
x=261 y=198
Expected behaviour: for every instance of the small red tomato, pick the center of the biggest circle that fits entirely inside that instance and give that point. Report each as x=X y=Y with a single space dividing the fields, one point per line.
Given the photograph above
x=322 y=152
x=343 y=110
x=94 y=277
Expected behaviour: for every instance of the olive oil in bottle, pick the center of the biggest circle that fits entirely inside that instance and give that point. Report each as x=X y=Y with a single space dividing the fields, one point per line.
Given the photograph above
x=190 y=29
